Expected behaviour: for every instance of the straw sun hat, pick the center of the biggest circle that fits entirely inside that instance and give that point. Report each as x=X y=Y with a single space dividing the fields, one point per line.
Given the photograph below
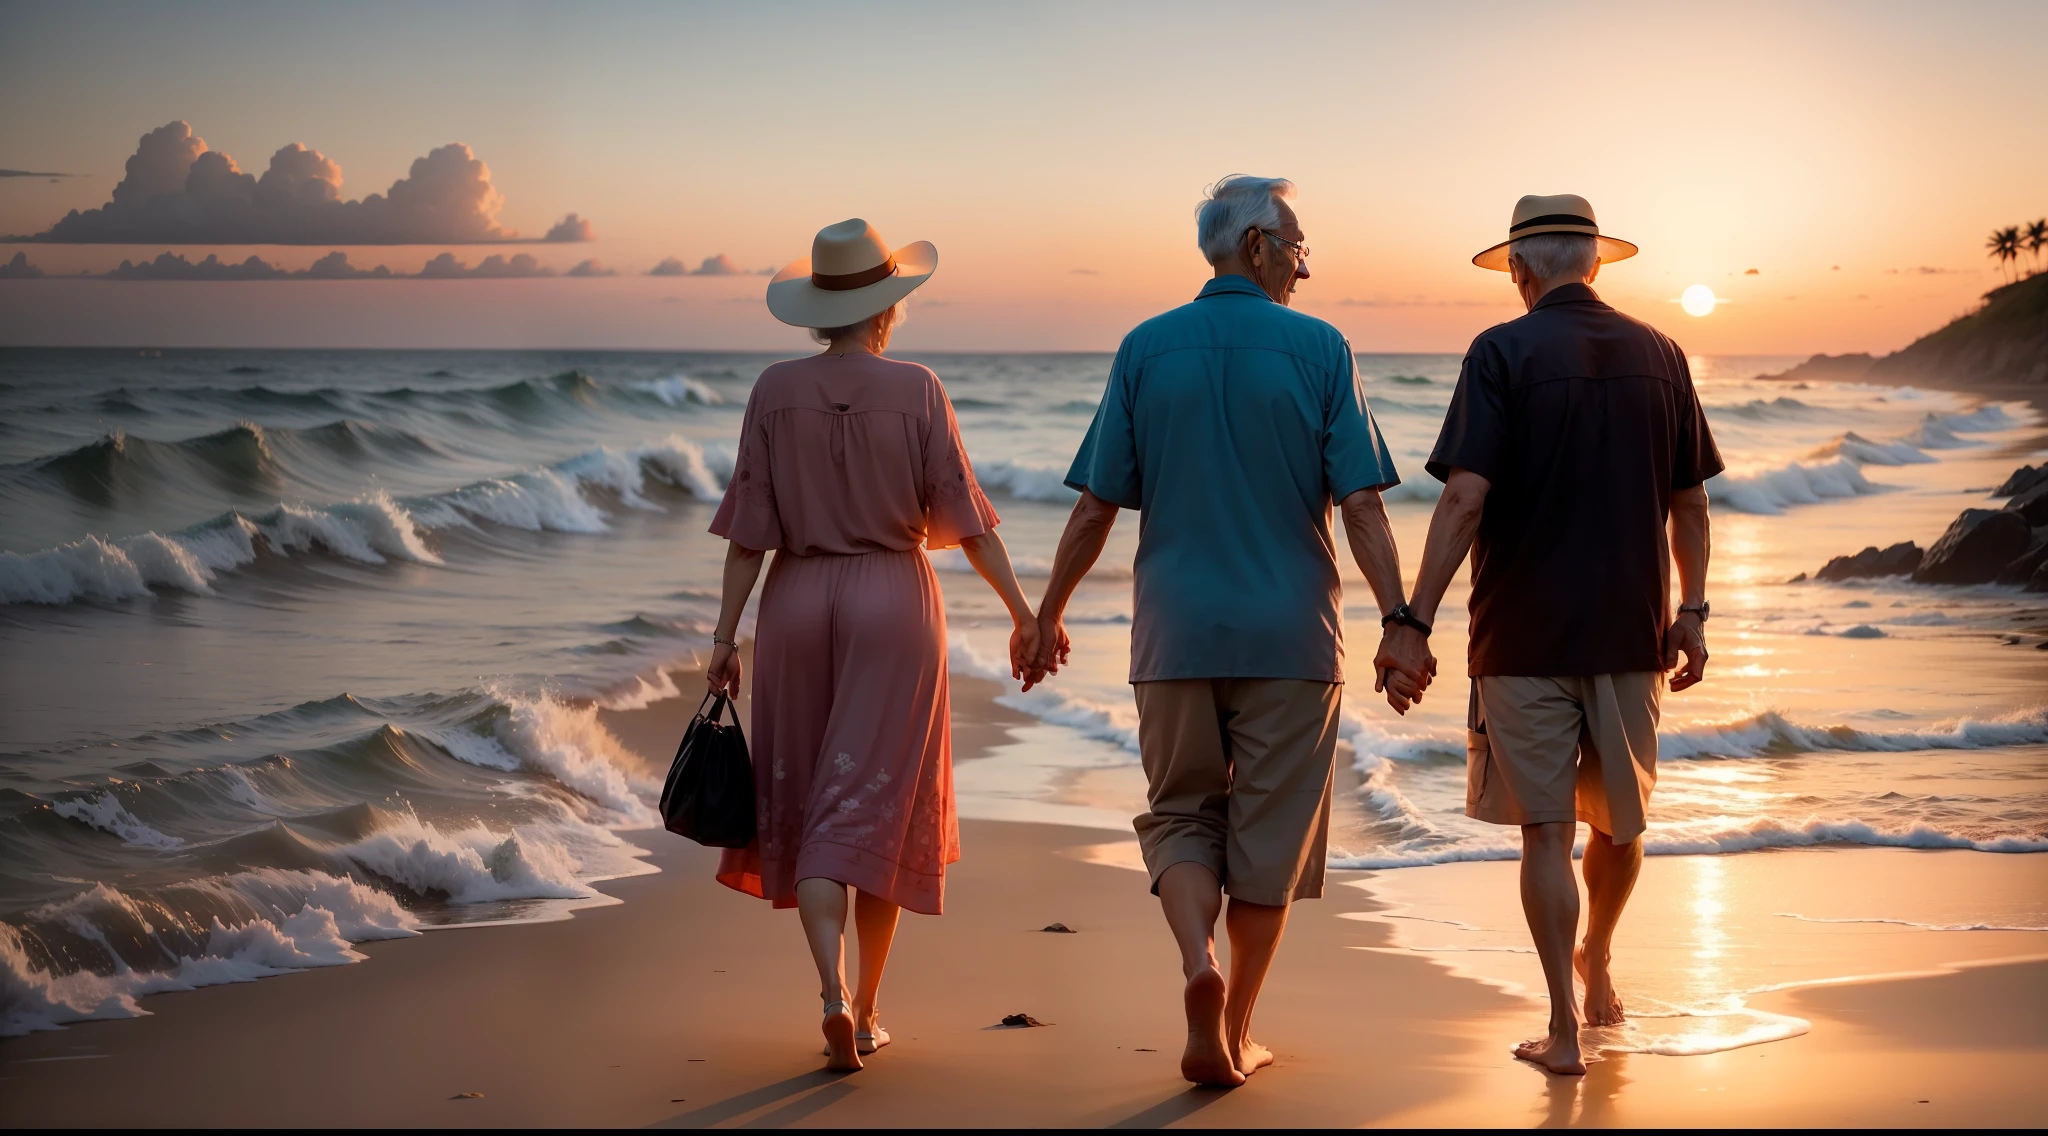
x=1556 y=213
x=850 y=275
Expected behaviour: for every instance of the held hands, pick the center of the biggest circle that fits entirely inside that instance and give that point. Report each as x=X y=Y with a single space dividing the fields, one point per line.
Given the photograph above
x=1688 y=636
x=1051 y=647
x=1024 y=638
x=1403 y=668
x=723 y=675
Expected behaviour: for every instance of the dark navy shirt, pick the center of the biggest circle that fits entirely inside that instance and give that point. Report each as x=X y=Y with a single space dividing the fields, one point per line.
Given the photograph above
x=1585 y=421
x=1231 y=424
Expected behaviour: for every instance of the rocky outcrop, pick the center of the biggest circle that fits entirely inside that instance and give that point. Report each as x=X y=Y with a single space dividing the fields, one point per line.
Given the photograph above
x=2033 y=505
x=1898 y=560
x=1975 y=548
x=1983 y=546
x=2022 y=567
x=2023 y=479
x=2003 y=342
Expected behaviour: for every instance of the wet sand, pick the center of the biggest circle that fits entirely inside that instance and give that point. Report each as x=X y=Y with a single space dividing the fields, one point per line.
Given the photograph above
x=690 y=1006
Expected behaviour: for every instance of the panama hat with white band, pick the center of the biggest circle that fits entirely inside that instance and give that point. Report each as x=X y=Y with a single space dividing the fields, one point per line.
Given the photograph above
x=850 y=275
x=1556 y=213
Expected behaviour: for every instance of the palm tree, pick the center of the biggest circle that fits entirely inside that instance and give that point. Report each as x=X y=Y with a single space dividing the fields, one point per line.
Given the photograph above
x=2003 y=246
x=2037 y=239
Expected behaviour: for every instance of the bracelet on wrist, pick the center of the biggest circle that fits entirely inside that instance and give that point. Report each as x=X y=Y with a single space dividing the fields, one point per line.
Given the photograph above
x=1406 y=617
x=722 y=641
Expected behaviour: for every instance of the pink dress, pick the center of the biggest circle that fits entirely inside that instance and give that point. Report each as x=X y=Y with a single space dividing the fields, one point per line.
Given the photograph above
x=846 y=466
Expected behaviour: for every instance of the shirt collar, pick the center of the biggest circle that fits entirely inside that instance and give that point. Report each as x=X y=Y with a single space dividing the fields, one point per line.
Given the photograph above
x=1232 y=283
x=1569 y=294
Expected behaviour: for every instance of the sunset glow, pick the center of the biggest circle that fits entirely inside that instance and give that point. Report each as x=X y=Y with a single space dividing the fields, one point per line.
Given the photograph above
x=1698 y=300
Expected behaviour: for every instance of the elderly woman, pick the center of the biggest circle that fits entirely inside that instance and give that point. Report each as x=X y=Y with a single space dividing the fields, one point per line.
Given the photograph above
x=848 y=463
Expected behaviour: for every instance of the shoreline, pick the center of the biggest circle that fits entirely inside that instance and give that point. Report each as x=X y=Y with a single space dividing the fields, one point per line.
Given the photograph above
x=682 y=1004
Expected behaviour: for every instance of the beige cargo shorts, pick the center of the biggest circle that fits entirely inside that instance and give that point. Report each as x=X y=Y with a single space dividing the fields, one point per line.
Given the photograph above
x=1540 y=750
x=1237 y=775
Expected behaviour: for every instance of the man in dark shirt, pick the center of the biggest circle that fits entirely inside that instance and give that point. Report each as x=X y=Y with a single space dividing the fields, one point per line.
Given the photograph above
x=1573 y=442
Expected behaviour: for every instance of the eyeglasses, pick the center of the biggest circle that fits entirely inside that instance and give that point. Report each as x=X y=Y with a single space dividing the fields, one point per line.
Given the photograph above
x=1300 y=248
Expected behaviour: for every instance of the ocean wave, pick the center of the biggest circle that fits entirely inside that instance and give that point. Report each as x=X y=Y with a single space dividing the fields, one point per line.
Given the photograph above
x=243 y=459
x=1773 y=491
x=568 y=744
x=1863 y=451
x=105 y=812
x=372 y=529
x=323 y=876
x=1771 y=734
x=369 y=530
x=680 y=390
x=1024 y=482
x=1713 y=836
x=1780 y=409
x=1117 y=725
x=276 y=921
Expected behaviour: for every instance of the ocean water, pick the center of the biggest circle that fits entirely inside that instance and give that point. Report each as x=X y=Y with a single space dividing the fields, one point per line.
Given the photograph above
x=306 y=648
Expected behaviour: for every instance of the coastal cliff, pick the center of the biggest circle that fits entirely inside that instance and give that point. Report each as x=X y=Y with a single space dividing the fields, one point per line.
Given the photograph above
x=2004 y=343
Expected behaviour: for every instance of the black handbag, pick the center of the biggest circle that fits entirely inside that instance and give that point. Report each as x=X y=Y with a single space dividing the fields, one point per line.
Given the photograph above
x=709 y=796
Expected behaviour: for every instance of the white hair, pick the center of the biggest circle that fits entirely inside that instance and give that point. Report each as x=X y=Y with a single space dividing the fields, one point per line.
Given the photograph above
x=1237 y=203
x=1551 y=255
x=870 y=327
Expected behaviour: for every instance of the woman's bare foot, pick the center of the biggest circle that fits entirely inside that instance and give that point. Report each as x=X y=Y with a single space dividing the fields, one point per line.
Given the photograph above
x=1207 y=1058
x=1603 y=1005
x=840 y=1056
x=1558 y=1052
x=1252 y=1057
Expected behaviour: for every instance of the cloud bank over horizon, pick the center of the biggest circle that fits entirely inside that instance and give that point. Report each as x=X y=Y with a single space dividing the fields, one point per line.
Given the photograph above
x=334 y=266
x=177 y=191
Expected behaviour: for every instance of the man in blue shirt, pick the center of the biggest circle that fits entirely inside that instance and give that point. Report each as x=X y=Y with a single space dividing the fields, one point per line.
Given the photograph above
x=1232 y=423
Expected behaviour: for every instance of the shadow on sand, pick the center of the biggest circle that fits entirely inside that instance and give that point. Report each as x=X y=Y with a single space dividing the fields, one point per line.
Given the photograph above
x=832 y=1087
x=1177 y=1107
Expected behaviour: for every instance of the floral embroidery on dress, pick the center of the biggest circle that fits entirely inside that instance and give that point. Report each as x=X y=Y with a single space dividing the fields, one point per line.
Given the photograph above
x=844 y=763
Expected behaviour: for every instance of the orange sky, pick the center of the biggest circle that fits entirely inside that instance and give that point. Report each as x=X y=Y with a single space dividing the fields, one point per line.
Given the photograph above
x=1055 y=155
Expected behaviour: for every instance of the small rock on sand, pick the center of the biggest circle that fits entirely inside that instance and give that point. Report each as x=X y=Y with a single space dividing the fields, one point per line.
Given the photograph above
x=467 y=1096
x=1059 y=929
x=1020 y=1021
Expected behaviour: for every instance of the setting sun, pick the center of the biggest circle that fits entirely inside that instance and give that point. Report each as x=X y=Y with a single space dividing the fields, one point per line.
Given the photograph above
x=1698 y=300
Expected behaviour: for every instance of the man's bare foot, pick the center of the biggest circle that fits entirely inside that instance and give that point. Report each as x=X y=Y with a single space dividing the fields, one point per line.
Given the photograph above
x=1207 y=1058
x=1603 y=1005
x=840 y=1056
x=1559 y=1052
x=1252 y=1057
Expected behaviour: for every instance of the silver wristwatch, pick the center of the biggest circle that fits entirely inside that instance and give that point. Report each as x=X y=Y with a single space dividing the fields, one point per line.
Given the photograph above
x=1701 y=609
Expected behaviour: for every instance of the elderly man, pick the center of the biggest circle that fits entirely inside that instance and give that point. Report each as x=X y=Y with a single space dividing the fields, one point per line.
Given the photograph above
x=1232 y=424
x=1574 y=440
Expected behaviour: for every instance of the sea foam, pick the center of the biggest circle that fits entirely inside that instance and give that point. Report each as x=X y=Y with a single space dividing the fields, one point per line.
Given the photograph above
x=295 y=920
x=1772 y=491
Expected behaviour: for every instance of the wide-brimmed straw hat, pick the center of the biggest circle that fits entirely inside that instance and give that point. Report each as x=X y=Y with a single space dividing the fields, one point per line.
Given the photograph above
x=1555 y=213
x=850 y=275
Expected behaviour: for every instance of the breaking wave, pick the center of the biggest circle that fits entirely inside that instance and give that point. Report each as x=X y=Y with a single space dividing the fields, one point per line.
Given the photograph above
x=568 y=496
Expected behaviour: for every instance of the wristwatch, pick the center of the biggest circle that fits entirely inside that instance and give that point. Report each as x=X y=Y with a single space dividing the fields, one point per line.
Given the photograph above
x=1701 y=609
x=1406 y=617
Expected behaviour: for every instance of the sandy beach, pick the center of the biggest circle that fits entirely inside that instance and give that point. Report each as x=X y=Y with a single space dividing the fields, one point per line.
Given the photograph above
x=687 y=1005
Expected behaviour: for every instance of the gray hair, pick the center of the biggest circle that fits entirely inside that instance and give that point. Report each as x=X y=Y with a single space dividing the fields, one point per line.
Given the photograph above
x=1551 y=255
x=882 y=323
x=1233 y=205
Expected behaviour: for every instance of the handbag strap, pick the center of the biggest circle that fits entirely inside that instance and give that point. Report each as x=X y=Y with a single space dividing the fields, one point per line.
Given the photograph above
x=720 y=705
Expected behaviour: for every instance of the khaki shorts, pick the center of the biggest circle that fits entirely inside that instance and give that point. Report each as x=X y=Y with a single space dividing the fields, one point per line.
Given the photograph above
x=1238 y=778
x=1582 y=747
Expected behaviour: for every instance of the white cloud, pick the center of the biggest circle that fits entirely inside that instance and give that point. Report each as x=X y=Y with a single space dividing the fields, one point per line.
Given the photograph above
x=176 y=191
x=571 y=228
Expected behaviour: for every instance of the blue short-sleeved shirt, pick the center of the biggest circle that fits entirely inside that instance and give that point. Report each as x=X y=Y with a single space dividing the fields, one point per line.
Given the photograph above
x=1232 y=424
